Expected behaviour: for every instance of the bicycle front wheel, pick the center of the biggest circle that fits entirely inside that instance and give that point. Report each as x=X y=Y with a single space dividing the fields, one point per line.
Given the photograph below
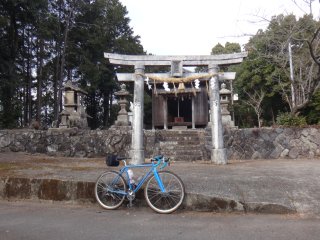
x=109 y=190
x=171 y=199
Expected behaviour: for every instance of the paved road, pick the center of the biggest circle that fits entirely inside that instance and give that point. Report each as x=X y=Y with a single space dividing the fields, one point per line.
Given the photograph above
x=34 y=220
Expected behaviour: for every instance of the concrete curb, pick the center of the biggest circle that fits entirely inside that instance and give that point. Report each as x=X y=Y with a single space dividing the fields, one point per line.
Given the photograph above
x=46 y=189
x=19 y=188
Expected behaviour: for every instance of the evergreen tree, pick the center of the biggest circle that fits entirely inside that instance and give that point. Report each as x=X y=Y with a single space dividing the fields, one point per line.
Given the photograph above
x=44 y=43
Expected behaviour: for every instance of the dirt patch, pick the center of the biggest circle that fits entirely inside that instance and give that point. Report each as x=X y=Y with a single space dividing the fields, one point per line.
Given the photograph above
x=7 y=167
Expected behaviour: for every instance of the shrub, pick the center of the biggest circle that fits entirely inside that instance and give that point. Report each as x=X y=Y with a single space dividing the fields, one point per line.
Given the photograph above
x=286 y=119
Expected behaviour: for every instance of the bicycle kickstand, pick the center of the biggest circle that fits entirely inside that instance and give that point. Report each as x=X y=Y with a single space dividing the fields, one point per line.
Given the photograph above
x=130 y=204
x=131 y=197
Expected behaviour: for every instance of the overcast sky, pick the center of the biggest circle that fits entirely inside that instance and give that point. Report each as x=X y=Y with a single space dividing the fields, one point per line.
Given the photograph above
x=193 y=27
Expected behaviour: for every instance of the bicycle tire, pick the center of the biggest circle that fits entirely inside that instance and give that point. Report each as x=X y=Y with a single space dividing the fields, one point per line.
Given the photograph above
x=105 y=181
x=169 y=201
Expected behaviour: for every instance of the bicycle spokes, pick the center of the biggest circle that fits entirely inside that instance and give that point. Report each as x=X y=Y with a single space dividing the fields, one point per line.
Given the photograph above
x=108 y=192
x=170 y=199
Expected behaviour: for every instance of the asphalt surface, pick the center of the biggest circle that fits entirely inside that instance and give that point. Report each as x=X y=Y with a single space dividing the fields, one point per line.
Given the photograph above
x=265 y=186
x=37 y=221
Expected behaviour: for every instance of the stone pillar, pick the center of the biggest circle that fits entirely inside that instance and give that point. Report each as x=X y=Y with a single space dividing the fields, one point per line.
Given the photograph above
x=218 y=153
x=137 y=148
x=153 y=128
x=165 y=113
x=193 y=113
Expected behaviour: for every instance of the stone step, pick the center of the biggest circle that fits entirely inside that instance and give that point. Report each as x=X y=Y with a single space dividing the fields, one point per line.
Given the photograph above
x=182 y=145
x=175 y=134
x=186 y=158
x=180 y=138
x=180 y=148
x=183 y=153
x=179 y=143
x=185 y=132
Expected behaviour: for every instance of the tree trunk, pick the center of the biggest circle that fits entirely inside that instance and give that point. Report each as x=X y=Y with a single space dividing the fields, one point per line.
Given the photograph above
x=40 y=80
x=106 y=111
x=259 y=120
x=63 y=56
x=55 y=85
x=28 y=81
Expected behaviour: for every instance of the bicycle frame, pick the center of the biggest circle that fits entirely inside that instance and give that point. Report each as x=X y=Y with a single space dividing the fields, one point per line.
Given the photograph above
x=153 y=170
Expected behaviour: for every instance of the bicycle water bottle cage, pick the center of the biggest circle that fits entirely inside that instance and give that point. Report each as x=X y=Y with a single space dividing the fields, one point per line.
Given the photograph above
x=111 y=160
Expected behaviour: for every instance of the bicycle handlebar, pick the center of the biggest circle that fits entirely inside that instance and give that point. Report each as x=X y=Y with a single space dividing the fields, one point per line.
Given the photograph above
x=156 y=160
x=161 y=159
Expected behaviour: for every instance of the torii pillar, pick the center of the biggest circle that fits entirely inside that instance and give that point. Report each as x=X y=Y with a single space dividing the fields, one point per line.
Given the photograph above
x=137 y=148
x=218 y=152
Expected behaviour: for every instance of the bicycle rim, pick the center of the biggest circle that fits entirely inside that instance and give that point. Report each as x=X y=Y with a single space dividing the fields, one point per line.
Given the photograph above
x=106 y=188
x=171 y=199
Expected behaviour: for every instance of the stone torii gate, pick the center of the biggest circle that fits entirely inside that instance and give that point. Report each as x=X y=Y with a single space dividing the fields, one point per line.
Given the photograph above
x=218 y=153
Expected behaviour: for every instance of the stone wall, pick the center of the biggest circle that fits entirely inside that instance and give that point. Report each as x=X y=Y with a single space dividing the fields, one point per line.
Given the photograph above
x=273 y=143
x=264 y=143
x=68 y=142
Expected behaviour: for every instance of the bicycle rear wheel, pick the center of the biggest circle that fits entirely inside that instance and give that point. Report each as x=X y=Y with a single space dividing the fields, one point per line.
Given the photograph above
x=108 y=189
x=171 y=199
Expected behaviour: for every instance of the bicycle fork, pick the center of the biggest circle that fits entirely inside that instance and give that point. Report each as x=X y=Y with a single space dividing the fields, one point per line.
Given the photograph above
x=159 y=181
x=131 y=193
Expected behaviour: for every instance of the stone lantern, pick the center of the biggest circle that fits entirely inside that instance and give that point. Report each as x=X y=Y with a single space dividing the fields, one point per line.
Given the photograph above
x=225 y=100
x=65 y=123
x=123 y=118
x=73 y=114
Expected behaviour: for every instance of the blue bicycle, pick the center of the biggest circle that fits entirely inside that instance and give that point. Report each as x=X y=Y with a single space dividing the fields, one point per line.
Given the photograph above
x=164 y=191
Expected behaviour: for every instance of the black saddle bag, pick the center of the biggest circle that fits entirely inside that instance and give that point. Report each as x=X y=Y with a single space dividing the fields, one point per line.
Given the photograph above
x=111 y=160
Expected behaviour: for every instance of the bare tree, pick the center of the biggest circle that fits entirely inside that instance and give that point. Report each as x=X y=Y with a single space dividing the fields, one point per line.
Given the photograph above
x=307 y=2
x=255 y=99
x=307 y=75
